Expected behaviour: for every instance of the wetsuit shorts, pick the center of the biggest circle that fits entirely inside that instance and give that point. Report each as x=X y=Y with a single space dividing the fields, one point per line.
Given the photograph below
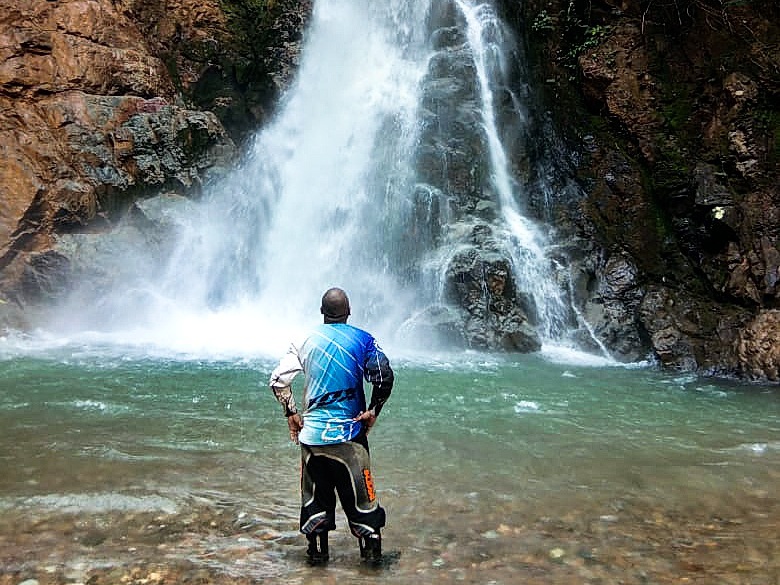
x=343 y=468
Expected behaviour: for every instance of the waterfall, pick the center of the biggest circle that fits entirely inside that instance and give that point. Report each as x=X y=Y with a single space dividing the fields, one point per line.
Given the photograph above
x=385 y=159
x=526 y=244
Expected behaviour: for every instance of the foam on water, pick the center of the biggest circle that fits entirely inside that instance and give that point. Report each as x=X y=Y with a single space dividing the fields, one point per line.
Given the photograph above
x=95 y=502
x=526 y=406
x=756 y=449
x=566 y=354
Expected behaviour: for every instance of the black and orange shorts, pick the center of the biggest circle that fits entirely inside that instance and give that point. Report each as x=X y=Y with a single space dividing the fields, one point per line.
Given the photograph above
x=343 y=469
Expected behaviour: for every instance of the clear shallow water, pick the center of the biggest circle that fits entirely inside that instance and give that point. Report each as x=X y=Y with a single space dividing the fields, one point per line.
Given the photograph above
x=472 y=453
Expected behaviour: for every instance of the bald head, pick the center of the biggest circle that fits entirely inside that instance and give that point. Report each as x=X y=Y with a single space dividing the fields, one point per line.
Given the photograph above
x=335 y=306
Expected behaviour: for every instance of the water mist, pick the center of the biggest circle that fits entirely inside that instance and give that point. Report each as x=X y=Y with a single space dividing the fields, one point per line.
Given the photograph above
x=358 y=182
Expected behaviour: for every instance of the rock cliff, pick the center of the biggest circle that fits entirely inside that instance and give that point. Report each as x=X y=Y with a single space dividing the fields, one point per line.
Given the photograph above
x=670 y=113
x=106 y=102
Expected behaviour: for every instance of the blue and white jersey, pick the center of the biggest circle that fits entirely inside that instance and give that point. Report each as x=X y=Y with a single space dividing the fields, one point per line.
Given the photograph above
x=336 y=358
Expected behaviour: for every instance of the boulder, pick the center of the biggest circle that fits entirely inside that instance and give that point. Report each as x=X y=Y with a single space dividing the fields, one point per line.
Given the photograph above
x=691 y=333
x=481 y=282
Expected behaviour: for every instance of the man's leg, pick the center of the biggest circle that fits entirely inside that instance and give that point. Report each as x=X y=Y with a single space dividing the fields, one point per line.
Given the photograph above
x=347 y=467
x=357 y=494
x=318 y=504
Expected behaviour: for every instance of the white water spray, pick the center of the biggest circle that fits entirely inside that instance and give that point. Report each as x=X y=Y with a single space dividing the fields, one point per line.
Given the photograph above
x=307 y=209
x=324 y=197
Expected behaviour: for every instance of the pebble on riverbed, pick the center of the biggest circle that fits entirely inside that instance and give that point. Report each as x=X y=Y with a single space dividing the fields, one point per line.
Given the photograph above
x=645 y=543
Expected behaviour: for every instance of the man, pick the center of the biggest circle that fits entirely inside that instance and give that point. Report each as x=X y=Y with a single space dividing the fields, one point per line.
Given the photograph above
x=333 y=427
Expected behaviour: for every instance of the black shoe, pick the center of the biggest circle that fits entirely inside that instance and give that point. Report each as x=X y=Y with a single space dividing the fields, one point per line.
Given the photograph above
x=371 y=548
x=318 y=548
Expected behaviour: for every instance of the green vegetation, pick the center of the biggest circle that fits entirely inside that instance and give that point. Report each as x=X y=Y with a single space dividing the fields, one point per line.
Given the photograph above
x=543 y=22
x=678 y=108
x=579 y=33
x=592 y=37
x=250 y=23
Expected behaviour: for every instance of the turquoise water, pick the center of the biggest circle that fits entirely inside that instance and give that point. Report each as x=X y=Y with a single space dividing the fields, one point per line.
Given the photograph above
x=469 y=447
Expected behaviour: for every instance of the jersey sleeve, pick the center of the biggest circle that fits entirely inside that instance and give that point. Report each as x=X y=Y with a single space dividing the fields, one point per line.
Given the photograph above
x=380 y=375
x=282 y=378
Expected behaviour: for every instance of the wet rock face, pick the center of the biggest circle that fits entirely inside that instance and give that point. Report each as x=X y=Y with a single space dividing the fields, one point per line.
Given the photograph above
x=452 y=152
x=51 y=49
x=611 y=294
x=758 y=348
x=692 y=333
x=481 y=282
x=674 y=121
x=453 y=169
x=85 y=45
x=88 y=124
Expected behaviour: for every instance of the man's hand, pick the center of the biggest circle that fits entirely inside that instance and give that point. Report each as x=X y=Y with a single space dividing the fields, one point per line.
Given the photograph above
x=368 y=418
x=295 y=422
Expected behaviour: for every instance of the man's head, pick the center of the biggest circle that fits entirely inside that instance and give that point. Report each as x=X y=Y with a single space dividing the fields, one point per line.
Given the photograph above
x=335 y=306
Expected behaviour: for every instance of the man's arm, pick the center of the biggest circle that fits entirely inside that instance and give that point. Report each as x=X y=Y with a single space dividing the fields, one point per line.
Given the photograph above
x=281 y=385
x=379 y=373
x=282 y=378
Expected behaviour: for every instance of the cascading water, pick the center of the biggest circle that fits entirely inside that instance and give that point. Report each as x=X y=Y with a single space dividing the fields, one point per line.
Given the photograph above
x=526 y=244
x=370 y=178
